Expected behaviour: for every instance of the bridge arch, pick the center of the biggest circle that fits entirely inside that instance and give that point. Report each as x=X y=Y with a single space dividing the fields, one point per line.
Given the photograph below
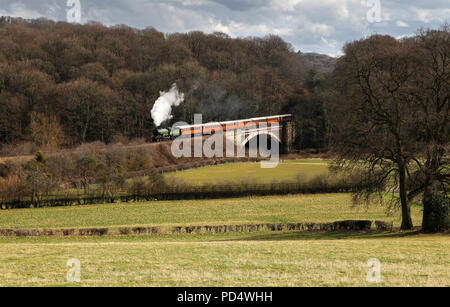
x=268 y=134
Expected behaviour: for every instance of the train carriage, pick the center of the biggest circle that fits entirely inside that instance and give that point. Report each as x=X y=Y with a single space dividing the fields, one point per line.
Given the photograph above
x=213 y=128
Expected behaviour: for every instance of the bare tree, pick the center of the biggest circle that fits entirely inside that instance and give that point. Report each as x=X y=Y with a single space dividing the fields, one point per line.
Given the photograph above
x=46 y=131
x=430 y=94
x=370 y=116
x=389 y=116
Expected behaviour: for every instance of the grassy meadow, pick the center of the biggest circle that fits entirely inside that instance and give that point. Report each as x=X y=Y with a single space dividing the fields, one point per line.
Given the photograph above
x=263 y=259
x=286 y=258
x=252 y=172
x=319 y=208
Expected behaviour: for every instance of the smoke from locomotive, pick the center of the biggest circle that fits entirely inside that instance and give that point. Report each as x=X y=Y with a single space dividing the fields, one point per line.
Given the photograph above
x=162 y=110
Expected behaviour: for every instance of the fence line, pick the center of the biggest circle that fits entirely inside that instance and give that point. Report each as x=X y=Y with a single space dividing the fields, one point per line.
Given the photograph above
x=179 y=193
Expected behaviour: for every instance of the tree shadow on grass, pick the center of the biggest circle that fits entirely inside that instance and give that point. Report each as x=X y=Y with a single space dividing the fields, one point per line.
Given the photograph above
x=312 y=236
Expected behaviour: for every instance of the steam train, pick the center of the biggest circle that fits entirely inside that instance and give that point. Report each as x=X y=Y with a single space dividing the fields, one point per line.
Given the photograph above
x=160 y=135
x=166 y=134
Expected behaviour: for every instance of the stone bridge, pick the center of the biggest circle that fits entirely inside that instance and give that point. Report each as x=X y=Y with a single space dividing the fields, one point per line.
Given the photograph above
x=242 y=132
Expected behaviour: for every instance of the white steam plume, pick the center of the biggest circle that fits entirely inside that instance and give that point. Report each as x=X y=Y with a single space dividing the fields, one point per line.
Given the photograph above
x=162 y=110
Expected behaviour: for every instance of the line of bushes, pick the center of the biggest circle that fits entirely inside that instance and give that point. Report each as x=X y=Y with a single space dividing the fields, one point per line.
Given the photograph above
x=156 y=188
x=92 y=232
x=350 y=225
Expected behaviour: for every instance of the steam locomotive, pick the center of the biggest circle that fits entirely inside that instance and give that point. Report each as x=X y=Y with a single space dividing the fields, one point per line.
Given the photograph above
x=166 y=134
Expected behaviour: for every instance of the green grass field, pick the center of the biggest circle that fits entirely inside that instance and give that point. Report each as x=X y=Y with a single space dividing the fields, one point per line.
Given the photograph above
x=272 y=209
x=227 y=259
x=238 y=172
x=223 y=259
x=263 y=259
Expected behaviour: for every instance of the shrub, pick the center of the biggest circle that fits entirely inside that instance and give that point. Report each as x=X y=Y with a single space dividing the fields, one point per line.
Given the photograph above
x=436 y=213
x=138 y=159
x=11 y=189
x=93 y=231
x=153 y=184
x=124 y=230
x=37 y=181
x=63 y=168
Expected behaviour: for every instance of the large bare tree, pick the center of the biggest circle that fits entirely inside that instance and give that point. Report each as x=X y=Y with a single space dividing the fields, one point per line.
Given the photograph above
x=388 y=113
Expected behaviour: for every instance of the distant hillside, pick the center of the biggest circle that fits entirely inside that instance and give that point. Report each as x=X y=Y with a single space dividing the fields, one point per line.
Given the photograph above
x=320 y=62
x=97 y=83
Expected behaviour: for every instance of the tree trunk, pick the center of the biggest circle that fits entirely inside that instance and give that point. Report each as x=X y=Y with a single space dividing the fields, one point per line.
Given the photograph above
x=435 y=211
x=407 y=223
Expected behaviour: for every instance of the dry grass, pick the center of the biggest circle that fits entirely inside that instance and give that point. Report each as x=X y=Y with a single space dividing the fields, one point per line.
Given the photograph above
x=235 y=260
x=224 y=259
x=250 y=210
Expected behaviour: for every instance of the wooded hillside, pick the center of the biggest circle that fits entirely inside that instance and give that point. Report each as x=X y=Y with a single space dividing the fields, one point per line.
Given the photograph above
x=69 y=84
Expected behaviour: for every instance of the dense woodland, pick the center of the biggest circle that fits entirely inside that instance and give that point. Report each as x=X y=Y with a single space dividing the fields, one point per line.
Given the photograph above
x=66 y=84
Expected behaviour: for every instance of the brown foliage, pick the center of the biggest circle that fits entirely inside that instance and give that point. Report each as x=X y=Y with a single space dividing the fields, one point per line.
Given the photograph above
x=99 y=82
x=46 y=132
